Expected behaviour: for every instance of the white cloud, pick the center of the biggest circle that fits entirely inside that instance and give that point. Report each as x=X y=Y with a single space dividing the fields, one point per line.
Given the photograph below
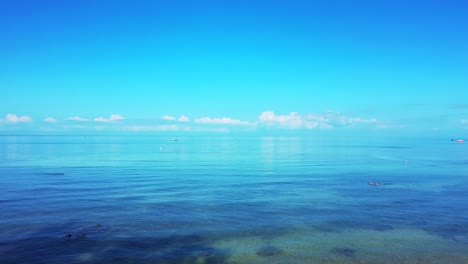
x=174 y=127
x=390 y=125
x=293 y=120
x=168 y=117
x=12 y=118
x=223 y=120
x=112 y=118
x=101 y=119
x=77 y=118
x=361 y=120
x=464 y=123
x=183 y=118
x=116 y=117
x=327 y=120
x=50 y=120
x=157 y=128
x=219 y=130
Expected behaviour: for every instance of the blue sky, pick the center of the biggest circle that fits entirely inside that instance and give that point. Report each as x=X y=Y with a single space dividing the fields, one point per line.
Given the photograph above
x=117 y=66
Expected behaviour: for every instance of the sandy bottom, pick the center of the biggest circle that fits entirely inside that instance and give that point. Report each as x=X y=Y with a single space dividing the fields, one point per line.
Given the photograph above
x=398 y=246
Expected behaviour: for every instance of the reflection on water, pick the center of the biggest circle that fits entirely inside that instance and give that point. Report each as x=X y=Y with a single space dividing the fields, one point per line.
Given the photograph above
x=232 y=200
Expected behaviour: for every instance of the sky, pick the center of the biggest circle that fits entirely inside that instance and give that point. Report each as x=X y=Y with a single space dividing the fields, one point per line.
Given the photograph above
x=390 y=67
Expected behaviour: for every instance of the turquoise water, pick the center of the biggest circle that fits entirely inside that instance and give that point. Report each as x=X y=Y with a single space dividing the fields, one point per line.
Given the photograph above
x=76 y=199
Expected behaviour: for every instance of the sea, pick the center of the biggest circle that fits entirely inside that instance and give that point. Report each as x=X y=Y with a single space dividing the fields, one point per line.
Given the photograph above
x=233 y=199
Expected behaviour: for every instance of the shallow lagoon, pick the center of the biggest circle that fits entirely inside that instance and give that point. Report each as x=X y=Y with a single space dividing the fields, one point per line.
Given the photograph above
x=232 y=200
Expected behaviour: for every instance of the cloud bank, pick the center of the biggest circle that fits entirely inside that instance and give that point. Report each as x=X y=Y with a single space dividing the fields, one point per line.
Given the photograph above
x=329 y=119
x=112 y=118
x=266 y=120
x=12 y=118
x=77 y=118
x=464 y=123
x=182 y=118
x=139 y=128
x=168 y=118
x=50 y=120
x=222 y=121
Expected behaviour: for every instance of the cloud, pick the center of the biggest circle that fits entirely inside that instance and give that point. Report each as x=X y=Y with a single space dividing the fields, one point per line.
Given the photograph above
x=183 y=118
x=390 y=125
x=326 y=120
x=50 y=120
x=77 y=118
x=360 y=120
x=293 y=120
x=12 y=118
x=464 y=123
x=223 y=120
x=168 y=117
x=112 y=118
x=173 y=127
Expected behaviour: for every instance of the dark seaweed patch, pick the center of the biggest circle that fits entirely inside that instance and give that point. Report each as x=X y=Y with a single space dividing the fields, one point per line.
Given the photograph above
x=51 y=173
x=342 y=225
x=172 y=249
x=456 y=231
x=269 y=251
x=343 y=252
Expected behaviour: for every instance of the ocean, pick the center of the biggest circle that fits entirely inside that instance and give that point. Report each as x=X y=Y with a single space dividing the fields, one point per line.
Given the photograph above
x=227 y=199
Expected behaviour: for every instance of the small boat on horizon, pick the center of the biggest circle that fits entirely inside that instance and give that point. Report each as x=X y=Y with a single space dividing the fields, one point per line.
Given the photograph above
x=460 y=140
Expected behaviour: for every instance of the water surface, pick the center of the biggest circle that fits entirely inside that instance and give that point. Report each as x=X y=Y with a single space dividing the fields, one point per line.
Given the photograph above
x=95 y=199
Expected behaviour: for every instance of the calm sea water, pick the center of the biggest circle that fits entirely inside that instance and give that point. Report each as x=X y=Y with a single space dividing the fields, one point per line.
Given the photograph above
x=75 y=199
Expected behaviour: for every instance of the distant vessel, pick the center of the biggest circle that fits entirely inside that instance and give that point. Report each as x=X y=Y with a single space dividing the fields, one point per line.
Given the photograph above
x=373 y=183
x=460 y=141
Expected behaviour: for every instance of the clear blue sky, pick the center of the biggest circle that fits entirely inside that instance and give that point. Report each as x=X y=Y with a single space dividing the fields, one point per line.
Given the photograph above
x=305 y=65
